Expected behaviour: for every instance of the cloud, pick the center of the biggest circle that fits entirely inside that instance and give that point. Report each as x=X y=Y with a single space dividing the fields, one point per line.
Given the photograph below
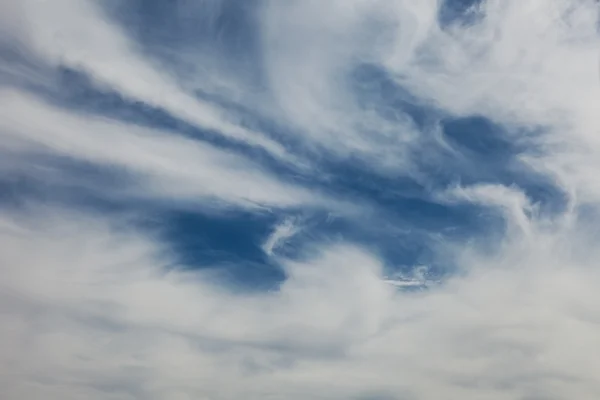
x=75 y=34
x=528 y=65
x=312 y=53
x=283 y=231
x=92 y=306
x=531 y=66
x=94 y=312
x=513 y=204
x=165 y=164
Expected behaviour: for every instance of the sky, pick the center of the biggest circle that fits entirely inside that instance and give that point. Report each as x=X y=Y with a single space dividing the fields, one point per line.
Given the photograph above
x=263 y=199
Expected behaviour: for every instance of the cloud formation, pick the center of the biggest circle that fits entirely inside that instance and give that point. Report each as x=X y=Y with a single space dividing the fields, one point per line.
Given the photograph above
x=167 y=164
x=93 y=312
x=345 y=122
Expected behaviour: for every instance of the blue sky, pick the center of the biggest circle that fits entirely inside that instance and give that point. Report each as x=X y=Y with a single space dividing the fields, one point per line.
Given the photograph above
x=352 y=199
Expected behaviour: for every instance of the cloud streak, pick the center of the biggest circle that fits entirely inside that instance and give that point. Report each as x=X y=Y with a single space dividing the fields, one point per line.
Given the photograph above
x=167 y=165
x=75 y=34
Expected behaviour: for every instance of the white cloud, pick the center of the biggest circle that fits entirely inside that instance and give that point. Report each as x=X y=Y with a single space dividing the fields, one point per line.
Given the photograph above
x=512 y=203
x=282 y=232
x=76 y=34
x=165 y=164
x=311 y=52
x=91 y=313
x=88 y=310
x=529 y=64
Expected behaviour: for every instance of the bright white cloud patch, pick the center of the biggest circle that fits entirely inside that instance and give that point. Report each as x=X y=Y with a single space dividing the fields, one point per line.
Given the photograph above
x=93 y=306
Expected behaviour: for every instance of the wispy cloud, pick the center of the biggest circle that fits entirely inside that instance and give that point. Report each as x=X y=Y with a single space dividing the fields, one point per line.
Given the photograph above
x=167 y=165
x=76 y=34
x=95 y=305
x=283 y=231
x=512 y=203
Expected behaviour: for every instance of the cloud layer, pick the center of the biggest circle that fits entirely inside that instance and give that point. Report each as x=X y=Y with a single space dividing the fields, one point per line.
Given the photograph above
x=329 y=123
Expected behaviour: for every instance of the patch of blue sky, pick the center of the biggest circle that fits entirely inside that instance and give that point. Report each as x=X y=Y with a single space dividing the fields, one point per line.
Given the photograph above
x=176 y=32
x=232 y=242
x=65 y=182
x=374 y=88
x=461 y=12
x=488 y=154
x=227 y=243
